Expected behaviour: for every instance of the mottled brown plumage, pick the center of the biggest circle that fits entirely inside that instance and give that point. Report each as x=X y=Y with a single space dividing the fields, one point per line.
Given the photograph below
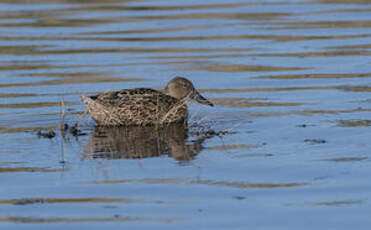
x=144 y=106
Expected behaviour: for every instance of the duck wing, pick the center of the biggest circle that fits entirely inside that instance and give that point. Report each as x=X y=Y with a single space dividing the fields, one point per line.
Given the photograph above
x=138 y=96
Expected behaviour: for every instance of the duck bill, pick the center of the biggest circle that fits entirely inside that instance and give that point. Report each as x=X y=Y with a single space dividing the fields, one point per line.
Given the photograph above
x=200 y=99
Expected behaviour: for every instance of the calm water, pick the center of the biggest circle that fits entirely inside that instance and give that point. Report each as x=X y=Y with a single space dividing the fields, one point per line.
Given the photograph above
x=291 y=82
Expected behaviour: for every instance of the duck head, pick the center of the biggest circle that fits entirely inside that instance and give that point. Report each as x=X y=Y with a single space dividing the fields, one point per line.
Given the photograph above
x=180 y=87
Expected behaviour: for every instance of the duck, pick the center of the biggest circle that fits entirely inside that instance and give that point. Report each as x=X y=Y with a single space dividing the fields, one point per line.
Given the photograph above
x=144 y=106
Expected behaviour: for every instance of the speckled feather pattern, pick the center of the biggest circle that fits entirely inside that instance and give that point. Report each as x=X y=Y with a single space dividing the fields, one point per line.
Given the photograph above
x=139 y=106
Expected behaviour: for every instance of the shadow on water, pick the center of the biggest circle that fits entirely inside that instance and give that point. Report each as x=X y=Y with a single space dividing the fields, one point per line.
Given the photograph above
x=141 y=142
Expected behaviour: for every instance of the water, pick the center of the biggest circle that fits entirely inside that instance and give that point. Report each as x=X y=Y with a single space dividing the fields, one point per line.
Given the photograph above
x=291 y=85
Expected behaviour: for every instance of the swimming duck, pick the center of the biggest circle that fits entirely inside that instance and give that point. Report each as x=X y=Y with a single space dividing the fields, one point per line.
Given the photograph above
x=144 y=106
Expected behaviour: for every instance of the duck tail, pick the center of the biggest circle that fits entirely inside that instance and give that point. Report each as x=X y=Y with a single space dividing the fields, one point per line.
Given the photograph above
x=85 y=99
x=100 y=114
x=90 y=103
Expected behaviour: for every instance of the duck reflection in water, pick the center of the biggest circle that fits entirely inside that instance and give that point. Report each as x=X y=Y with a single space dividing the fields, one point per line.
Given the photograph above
x=135 y=142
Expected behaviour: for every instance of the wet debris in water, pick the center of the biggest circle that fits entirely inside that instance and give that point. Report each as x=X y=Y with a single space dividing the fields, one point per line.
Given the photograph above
x=64 y=127
x=209 y=133
x=29 y=201
x=315 y=141
x=239 y=197
x=75 y=131
x=304 y=126
x=198 y=130
x=46 y=133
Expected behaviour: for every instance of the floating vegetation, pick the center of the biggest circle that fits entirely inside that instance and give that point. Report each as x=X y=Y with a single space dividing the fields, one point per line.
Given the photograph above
x=304 y=125
x=315 y=141
x=46 y=134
